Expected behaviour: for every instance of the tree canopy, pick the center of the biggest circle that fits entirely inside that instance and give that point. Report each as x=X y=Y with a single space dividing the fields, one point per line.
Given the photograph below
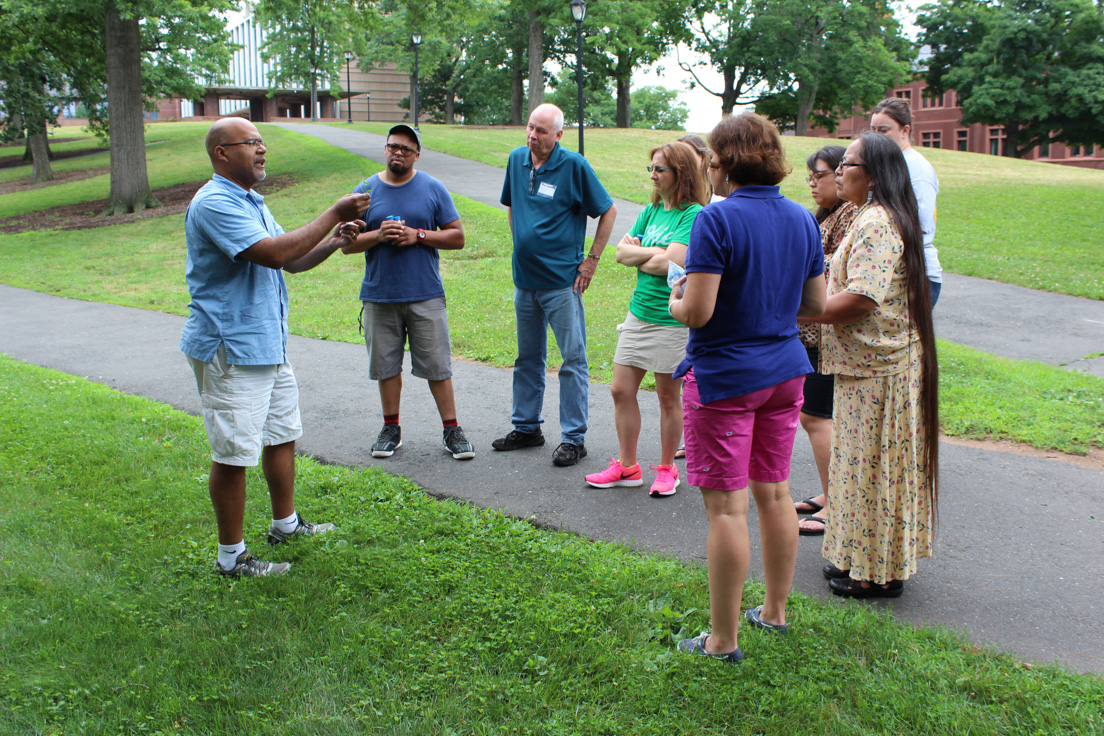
x=1034 y=66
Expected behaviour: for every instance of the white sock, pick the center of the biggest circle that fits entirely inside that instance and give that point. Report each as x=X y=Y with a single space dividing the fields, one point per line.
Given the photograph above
x=287 y=525
x=228 y=554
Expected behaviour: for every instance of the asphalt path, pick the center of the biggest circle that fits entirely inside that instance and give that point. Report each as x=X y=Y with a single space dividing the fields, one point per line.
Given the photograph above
x=998 y=318
x=1019 y=558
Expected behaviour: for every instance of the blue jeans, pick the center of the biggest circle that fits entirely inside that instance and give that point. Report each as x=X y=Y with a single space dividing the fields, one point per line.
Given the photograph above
x=535 y=311
x=936 y=287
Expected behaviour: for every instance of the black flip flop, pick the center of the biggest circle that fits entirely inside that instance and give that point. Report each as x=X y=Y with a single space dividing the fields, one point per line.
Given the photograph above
x=816 y=506
x=813 y=532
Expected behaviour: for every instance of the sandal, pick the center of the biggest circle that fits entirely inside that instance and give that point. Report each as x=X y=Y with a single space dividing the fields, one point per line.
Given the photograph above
x=681 y=452
x=854 y=588
x=814 y=507
x=696 y=645
x=831 y=571
x=812 y=532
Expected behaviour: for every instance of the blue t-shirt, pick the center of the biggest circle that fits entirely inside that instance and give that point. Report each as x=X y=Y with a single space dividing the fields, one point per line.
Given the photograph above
x=549 y=207
x=765 y=247
x=234 y=301
x=406 y=273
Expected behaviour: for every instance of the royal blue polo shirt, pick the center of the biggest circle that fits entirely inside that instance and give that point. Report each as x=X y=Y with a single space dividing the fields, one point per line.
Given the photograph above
x=549 y=207
x=765 y=247
x=235 y=302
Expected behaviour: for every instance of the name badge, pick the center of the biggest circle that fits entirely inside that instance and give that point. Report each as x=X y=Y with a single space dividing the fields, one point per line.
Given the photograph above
x=546 y=190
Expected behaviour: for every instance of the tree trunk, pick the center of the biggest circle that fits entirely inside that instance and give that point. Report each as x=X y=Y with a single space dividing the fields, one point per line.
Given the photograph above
x=314 y=80
x=130 y=190
x=536 y=61
x=41 y=156
x=624 y=92
x=1012 y=142
x=450 y=107
x=806 y=99
x=728 y=96
x=517 y=90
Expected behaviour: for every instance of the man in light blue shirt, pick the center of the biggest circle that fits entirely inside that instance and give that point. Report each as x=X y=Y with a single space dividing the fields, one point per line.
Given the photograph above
x=235 y=337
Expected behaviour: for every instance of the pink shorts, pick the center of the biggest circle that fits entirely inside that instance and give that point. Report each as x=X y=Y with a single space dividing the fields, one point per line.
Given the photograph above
x=750 y=436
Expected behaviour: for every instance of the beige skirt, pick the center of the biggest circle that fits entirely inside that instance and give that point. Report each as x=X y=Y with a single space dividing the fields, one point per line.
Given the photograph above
x=656 y=348
x=879 y=505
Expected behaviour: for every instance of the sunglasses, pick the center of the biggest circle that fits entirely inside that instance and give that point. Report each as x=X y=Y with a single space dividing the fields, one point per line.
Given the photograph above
x=659 y=169
x=399 y=148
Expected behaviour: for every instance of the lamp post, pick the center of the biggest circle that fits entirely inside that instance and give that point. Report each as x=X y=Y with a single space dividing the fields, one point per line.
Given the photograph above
x=417 y=40
x=578 y=12
x=349 y=85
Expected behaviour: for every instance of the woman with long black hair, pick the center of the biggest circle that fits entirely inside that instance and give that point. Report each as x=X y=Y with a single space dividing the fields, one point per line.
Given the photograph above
x=880 y=344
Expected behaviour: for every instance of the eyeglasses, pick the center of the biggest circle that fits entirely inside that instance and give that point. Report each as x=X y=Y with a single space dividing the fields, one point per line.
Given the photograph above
x=532 y=179
x=255 y=142
x=843 y=167
x=816 y=176
x=659 y=169
x=399 y=148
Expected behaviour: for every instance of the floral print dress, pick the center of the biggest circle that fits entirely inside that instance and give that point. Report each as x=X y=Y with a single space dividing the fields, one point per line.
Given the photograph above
x=879 y=501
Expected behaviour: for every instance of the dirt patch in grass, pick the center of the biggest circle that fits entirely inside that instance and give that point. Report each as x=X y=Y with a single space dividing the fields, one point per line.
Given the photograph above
x=1094 y=459
x=60 y=177
x=85 y=215
x=7 y=162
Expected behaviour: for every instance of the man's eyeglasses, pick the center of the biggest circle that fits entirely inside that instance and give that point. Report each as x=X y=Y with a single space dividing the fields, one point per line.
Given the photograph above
x=843 y=167
x=532 y=179
x=659 y=169
x=255 y=142
x=399 y=148
x=816 y=176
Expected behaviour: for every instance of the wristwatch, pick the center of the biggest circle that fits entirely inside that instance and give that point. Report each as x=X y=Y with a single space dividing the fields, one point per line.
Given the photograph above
x=421 y=235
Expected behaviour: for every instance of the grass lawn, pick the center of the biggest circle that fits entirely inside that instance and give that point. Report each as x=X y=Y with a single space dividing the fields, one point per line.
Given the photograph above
x=414 y=616
x=142 y=265
x=1033 y=224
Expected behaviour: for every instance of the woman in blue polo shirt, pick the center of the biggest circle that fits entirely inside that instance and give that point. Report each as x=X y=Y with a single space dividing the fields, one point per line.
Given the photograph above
x=651 y=339
x=754 y=264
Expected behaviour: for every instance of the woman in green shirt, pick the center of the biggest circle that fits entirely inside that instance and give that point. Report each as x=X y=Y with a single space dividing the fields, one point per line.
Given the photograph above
x=650 y=339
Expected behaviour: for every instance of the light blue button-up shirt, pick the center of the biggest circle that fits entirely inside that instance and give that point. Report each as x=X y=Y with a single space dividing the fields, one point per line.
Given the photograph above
x=234 y=302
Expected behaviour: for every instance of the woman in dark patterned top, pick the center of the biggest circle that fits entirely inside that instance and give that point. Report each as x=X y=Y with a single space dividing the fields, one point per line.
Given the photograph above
x=835 y=216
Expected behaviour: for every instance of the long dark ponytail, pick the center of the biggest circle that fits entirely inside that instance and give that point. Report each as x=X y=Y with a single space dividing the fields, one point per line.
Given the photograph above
x=892 y=188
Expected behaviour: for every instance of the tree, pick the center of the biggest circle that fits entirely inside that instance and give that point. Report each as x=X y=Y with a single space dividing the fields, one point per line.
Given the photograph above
x=721 y=32
x=599 y=106
x=658 y=108
x=307 y=40
x=1034 y=66
x=831 y=56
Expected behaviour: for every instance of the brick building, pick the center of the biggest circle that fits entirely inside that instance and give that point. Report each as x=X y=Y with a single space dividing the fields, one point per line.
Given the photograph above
x=936 y=123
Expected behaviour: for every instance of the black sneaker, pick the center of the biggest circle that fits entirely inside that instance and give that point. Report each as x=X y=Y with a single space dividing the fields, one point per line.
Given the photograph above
x=457 y=444
x=248 y=566
x=389 y=440
x=568 y=454
x=302 y=529
x=517 y=439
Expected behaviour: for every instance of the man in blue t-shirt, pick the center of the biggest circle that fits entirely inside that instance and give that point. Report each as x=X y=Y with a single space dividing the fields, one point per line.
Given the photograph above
x=549 y=193
x=402 y=292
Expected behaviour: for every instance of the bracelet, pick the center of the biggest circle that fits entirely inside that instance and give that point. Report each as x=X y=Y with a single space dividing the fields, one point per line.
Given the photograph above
x=591 y=255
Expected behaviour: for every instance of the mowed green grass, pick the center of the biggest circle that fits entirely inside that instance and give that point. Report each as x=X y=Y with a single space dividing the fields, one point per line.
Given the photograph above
x=1032 y=224
x=141 y=264
x=414 y=616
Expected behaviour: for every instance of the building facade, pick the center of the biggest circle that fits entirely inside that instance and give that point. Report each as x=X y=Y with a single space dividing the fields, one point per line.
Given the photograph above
x=937 y=123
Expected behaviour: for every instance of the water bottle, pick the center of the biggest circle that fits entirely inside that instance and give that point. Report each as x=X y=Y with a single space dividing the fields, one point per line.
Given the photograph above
x=674 y=273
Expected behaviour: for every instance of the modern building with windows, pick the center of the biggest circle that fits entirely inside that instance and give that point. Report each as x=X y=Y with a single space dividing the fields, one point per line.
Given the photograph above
x=937 y=123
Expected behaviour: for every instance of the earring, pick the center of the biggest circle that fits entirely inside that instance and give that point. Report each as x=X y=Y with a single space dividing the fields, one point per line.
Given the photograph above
x=726 y=180
x=869 y=196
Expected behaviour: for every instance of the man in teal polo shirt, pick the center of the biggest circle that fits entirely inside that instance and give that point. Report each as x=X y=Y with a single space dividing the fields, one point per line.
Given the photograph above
x=549 y=193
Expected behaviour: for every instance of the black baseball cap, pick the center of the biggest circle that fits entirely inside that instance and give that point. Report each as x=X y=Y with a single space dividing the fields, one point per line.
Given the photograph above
x=406 y=130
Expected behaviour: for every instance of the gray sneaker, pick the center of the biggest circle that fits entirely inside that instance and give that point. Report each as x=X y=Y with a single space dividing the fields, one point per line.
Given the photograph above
x=389 y=440
x=457 y=443
x=248 y=566
x=302 y=529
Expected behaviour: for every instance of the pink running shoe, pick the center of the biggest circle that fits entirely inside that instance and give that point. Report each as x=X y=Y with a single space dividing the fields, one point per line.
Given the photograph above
x=666 y=481
x=617 y=475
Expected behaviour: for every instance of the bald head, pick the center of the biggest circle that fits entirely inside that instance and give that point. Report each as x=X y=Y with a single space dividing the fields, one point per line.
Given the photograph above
x=549 y=115
x=228 y=130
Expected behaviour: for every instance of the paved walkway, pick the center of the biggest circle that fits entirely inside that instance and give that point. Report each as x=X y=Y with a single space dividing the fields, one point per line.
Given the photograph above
x=1019 y=561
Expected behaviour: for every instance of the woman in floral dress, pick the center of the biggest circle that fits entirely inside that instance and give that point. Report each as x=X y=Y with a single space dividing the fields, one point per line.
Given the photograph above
x=880 y=345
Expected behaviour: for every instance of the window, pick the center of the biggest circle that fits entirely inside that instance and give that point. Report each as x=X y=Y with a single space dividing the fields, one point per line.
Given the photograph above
x=936 y=101
x=904 y=94
x=932 y=140
x=1088 y=150
x=962 y=140
x=1075 y=150
x=1044 y=150
x=996 y=141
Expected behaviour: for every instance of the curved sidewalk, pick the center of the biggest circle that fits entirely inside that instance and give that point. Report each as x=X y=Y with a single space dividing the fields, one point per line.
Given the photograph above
x=1019 y=561
x=998 y=318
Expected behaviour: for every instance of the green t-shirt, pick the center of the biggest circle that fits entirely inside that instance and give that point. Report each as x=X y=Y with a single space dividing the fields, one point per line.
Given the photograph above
x=657 y=227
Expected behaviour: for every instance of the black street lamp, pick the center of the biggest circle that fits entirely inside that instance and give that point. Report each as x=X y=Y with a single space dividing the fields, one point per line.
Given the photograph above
x=349 y=85
x=417 y=40
x=578 y=12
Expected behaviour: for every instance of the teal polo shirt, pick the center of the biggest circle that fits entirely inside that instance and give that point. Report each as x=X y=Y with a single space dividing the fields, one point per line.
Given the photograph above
x=549 y=207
